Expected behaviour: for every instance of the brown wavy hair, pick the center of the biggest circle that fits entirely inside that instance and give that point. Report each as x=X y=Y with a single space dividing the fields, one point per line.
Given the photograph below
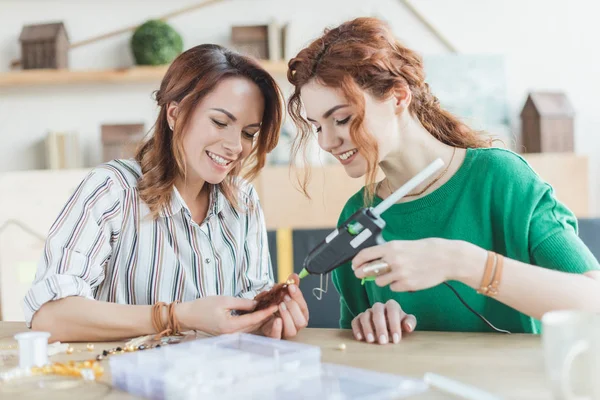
x=363 y=55
x=190 y=77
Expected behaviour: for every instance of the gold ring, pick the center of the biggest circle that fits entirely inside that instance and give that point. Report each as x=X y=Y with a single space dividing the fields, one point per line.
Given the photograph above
x=376 y=268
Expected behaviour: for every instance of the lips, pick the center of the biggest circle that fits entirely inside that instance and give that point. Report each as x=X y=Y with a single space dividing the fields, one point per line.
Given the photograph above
x=220 y=160
x=347 y=154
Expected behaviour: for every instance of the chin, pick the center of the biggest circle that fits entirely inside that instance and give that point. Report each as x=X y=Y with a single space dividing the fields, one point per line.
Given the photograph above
x=209 y=174
x=355 y=172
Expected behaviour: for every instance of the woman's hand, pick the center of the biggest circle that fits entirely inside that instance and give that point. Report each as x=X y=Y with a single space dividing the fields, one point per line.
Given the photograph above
x=213 y=315
x=386 y=322
x=293 y=314
x=418 y=264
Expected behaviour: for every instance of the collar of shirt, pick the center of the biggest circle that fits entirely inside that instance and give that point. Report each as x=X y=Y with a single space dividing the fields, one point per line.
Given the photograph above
x=177 y=203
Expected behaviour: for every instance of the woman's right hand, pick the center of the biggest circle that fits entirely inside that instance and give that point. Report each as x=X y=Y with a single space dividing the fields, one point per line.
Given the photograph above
x=213 y=315
x=386 y=322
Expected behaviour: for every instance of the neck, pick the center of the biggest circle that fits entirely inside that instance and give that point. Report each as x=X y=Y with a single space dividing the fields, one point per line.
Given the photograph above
x=189 y=189
x=417 y=149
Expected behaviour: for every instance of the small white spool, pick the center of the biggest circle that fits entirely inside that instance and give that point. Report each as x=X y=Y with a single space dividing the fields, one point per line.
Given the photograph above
x=33 y=349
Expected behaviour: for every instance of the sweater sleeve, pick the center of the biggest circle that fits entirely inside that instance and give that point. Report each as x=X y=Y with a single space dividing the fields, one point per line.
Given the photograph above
x=353 y=295
x=554 y=242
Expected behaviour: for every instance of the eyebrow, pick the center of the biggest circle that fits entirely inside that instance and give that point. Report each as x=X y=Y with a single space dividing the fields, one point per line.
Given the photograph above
x=330 y=111
x=234 y=119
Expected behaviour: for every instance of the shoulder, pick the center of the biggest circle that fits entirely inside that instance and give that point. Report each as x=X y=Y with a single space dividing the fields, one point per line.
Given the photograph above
x=505 y=170
x=125 y=174
x=112 y=179
x=501 y=162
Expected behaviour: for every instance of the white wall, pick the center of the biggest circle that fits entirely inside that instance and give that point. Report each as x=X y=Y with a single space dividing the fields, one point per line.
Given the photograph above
x=549 y=44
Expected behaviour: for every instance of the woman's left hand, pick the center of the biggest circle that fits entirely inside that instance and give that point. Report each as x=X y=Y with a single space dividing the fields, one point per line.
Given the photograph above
x=293 y=314
x=418 y=264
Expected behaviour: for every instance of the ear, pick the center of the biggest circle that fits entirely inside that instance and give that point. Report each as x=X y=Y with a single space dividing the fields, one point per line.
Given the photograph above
x=172 y=114
x=402 y=98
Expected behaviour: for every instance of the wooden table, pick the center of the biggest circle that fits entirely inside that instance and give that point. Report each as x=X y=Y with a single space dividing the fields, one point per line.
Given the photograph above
x=510 y=366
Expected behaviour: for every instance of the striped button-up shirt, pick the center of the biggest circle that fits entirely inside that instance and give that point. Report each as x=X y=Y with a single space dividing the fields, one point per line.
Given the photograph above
x=105 y=245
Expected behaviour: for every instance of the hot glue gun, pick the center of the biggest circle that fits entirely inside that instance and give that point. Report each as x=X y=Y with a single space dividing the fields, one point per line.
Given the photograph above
x=363 y=229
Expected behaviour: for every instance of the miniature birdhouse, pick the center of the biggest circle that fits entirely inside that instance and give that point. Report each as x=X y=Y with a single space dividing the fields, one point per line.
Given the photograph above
x=44 y=46
x=547 y=123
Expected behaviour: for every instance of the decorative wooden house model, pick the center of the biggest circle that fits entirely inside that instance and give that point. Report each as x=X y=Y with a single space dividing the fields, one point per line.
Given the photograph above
x=44 y=46
x=260 y=41
x=547 y=123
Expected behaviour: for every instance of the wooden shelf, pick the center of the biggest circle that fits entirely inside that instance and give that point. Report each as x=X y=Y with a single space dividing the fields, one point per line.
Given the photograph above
x=38 y=77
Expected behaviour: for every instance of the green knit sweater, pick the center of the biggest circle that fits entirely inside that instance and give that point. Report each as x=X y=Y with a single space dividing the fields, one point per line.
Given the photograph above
x=495 y=201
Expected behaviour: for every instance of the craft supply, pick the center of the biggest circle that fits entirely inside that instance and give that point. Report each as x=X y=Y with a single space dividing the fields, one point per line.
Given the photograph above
x=89 y=370
x=57 y=348
x=273 y=296
x=33 y=349
x=342 y=346
x=457 y=388
x=234 y=366
x=363 y=229
x=90 y=347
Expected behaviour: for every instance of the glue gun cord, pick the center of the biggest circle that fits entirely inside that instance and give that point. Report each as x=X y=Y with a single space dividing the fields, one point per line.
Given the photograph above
x=475 y=312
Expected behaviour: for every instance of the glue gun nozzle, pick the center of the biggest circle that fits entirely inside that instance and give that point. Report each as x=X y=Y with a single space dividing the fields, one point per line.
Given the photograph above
x=303 y=273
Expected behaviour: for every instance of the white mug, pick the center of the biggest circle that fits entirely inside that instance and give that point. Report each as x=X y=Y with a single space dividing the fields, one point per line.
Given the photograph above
x=572 y=353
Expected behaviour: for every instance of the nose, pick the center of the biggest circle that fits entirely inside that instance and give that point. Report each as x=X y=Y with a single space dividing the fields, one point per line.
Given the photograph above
x=233 y=143
x=328 y=140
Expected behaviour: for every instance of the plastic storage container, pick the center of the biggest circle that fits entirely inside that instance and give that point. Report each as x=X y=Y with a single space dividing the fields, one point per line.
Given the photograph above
x=230 y=367
x=205 y=367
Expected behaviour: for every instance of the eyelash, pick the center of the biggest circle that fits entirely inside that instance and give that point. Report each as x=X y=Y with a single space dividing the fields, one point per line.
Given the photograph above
x=218 y=124
x=338 y=123
x=221 y=125
x=342 y=122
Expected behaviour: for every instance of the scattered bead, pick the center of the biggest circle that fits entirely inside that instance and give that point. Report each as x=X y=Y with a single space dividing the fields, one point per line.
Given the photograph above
x=70 y=350
x=342 y=346
x=141 y=347
x=90 y=347
x=99 y=357
x=105 y=353
x=119 y=349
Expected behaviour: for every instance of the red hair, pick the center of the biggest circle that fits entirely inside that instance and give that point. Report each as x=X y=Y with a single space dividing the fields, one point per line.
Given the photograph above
x=363 y=55
x=191 y=76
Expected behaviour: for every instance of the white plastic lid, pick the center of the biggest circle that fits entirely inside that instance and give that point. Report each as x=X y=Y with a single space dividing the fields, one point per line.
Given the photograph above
x=33 y=349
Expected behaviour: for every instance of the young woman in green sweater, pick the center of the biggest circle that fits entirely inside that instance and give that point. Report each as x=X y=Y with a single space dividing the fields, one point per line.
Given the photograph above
x=365 y=95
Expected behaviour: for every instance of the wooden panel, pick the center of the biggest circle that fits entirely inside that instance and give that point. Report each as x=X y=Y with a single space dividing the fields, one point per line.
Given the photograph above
x=568 y=174
x=285 y=206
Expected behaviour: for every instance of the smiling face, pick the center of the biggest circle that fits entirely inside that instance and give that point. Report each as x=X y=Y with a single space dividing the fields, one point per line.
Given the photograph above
x=331 y=113
x=221 y=129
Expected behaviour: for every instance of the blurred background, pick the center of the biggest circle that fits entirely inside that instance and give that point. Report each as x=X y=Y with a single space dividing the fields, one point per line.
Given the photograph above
x=76 y=90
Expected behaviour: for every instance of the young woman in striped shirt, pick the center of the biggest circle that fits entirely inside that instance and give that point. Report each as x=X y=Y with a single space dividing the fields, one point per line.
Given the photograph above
x=176 y=224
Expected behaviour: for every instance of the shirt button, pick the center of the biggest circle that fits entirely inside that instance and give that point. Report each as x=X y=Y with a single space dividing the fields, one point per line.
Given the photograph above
x=207 y=260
